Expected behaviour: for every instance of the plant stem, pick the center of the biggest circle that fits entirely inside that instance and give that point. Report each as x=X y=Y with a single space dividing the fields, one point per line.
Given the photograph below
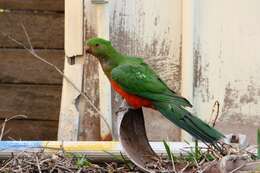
x=258 y=143
x=196 y=149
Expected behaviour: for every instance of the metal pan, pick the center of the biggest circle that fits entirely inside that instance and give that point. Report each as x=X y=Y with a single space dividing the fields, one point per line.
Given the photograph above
x=133 y=138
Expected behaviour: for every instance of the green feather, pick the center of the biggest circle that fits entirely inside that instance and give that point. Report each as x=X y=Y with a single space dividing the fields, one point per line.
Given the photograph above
x=185 y=120
x=140 y=80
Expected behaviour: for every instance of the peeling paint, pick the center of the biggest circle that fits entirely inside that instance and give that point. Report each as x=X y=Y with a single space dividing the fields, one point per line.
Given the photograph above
x=229 y=98
x=200 y=78
x=197 y=67
x=227 y=62
x=156 y=20
x=258 y=92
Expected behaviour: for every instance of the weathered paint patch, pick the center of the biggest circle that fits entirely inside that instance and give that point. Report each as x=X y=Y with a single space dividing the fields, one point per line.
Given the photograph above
x=229 y=98
x=227 y=62
x=241 y=103
x=200 y=79
x=90 y=120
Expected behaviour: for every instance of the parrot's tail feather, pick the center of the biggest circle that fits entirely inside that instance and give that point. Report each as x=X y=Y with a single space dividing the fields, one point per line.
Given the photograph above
x=185 y=120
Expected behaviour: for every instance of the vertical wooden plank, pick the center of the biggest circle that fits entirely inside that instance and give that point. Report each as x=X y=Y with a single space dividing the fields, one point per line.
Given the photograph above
x=89 y=128
x=187 y=66
x=105 y=88
x=69 y=114
x=96 y=85
x=90 y=122
x=74 y=28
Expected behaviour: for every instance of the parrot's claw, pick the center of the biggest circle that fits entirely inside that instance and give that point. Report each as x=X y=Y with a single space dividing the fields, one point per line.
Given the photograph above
x=124 y=107
x=121 y=109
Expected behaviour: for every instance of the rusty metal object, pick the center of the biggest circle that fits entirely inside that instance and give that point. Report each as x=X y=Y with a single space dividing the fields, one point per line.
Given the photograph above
x=133 y=138
x=237 y=140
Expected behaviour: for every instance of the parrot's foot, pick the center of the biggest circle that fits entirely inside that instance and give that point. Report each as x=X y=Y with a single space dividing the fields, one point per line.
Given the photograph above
x=124 y=107
x=121 y=109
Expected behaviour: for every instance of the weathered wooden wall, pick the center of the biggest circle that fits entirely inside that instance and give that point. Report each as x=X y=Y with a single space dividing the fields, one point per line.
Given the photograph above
x=227 y=56
x=151 y=29
x=28 y=86
x=226 y=39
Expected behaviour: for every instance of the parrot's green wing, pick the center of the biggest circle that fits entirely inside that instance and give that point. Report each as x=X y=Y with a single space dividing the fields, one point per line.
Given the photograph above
x=140 y=80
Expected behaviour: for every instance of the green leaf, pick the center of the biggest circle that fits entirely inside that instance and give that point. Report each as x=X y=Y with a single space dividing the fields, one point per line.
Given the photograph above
x=258 y=143
x=115 y=157
x=197 y=150
x=126 y=162
x=82 y=161
x=168 y=150
x=121 y=158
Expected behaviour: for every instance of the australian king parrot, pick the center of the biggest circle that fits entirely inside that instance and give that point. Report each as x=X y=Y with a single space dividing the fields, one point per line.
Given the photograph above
x=140 y=86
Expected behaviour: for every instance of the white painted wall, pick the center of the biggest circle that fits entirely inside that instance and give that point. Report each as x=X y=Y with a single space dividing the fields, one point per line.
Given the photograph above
x=227 y=68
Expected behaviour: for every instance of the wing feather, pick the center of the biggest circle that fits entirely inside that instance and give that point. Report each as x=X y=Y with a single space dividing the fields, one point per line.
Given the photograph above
x=140 y=80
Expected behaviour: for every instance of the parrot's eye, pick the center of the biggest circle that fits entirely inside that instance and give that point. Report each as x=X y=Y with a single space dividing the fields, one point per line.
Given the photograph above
x=97 y=45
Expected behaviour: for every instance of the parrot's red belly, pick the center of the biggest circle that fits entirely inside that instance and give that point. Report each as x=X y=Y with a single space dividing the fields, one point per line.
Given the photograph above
x=132 y=100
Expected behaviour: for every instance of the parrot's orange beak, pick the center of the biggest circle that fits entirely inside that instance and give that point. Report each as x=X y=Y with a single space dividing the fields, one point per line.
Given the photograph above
x=88 y=49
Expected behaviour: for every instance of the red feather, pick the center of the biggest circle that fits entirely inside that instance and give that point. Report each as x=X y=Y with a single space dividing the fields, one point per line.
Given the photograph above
x=132 y=100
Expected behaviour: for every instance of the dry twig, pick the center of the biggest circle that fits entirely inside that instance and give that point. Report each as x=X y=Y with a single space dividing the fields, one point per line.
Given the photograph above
x=214 y=114
x=38 y=164
x=6 y=120
x=185 y=167
x=236 y=169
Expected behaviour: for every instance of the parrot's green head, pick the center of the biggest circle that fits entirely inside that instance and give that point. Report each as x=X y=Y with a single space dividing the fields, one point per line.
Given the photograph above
x=98 y=47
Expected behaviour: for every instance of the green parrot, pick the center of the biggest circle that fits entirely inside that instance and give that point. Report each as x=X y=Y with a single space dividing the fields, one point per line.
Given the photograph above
x=140 y=86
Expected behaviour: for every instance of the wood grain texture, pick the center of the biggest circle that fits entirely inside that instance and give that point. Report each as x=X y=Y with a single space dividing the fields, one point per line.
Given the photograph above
x=17 y=66
x=46 y=30
x=30 y=130
x=38 y=102
x=45 y=5
x=90 y=121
